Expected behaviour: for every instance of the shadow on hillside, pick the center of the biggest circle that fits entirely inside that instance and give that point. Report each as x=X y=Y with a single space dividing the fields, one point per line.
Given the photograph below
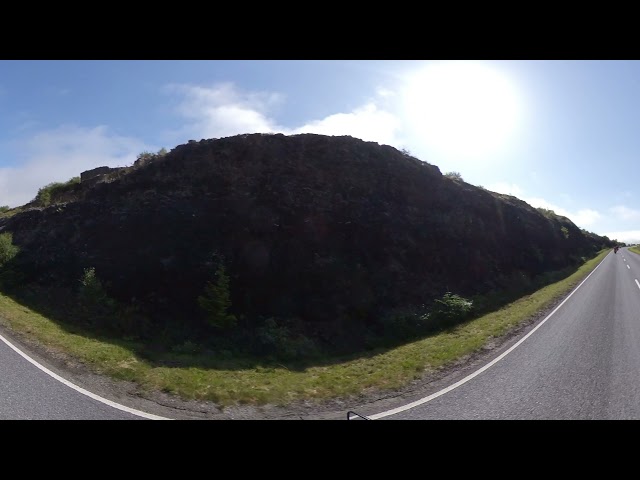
x=158 y=353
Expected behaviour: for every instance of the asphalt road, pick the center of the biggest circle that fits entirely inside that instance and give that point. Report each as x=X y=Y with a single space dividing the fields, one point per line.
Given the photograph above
x=580 y=363
x=28 y=392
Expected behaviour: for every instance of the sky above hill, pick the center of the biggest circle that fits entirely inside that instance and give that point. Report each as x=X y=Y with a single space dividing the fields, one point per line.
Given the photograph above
x=558 y=134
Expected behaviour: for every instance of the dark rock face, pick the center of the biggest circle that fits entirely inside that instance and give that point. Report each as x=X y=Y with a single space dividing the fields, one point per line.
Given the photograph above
x=324 y=229
x=91 y=177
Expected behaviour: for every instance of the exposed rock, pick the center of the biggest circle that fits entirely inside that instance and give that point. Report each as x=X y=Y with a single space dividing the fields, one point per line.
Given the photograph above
x=325 y=230
x=90 y=177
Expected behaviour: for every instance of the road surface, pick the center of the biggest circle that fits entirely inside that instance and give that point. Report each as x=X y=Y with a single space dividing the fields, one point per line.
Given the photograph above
x=580 y=363
x=30 y=390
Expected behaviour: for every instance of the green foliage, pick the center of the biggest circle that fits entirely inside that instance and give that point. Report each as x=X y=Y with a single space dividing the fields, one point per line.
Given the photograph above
x=4 y=208
x=93 y=297
x=405 y=323
x=565 y=231
x=546 y=212
x=146 y=157
x=452 y=308
x=454 y=176
x=10 y=276
x=43 y=197
x=97 y=308
x=216 y=301
x=47 y=194
x=7 y=249
x=279 y=341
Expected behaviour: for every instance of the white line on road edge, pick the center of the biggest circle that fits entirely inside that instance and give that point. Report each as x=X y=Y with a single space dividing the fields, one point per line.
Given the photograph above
x=628 y=267
x=637 y=282
x=79 y=389
x=487 y=366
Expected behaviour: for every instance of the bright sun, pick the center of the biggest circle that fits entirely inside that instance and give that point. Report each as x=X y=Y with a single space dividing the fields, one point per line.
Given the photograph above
x=461 y=108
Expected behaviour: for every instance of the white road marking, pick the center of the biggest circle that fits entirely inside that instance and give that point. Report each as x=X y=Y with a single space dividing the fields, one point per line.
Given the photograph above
x=411 y=405
x=628 y=267
x=637 y=283
x=79 y=389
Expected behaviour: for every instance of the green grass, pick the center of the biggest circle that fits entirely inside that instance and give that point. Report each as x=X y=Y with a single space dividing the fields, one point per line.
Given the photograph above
x=635 y=250
x=385 y=370
x=11 y=212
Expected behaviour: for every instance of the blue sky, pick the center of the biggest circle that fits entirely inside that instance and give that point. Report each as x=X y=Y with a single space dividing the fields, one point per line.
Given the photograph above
x=559 y=134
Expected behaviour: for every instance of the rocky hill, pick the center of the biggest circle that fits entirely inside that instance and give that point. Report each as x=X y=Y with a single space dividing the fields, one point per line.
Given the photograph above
x=324 y=234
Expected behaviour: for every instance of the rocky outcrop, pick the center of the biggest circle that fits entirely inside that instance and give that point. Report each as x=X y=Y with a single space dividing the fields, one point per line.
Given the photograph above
x=309 y=227
x=93 y=176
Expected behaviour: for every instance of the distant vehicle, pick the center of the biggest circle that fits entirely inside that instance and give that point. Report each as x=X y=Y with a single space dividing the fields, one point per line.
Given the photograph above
x=615 y=249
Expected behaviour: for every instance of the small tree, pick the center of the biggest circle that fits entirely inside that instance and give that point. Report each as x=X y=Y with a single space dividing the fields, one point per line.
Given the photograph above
x=7 y=249
x=216 y=301
x=454 y=176
x=93 y=296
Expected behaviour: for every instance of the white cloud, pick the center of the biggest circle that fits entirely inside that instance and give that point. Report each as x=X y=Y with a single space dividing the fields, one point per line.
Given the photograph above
x=625 y=213
x=60 y=154
x=368 y=123
x=542 y=203
x=385 y=92
x=224 y=110
x=627 y=236
x=583 y=218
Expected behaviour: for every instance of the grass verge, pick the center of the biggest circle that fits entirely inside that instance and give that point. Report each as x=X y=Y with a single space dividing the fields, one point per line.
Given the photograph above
x=635 y=250
x=388 y=369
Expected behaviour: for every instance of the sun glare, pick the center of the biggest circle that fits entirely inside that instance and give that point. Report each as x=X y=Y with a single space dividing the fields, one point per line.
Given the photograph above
x=461 y=108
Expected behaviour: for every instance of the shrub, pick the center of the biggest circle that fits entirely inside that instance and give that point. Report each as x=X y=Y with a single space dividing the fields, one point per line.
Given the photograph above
x=402 y=324
x=279 y=341
x=452 y=308
x=47 y=194
x=454 y=176
x=94 y=300
x=9 y=275
x=216 y=301
x=7 y=249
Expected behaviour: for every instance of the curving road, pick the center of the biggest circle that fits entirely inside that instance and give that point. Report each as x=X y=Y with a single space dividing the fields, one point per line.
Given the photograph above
x=581 y=362
x=31 y=391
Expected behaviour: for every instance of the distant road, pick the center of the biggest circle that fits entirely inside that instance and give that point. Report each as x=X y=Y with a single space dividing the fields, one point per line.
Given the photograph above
x=583 y=362
x=28 y=392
